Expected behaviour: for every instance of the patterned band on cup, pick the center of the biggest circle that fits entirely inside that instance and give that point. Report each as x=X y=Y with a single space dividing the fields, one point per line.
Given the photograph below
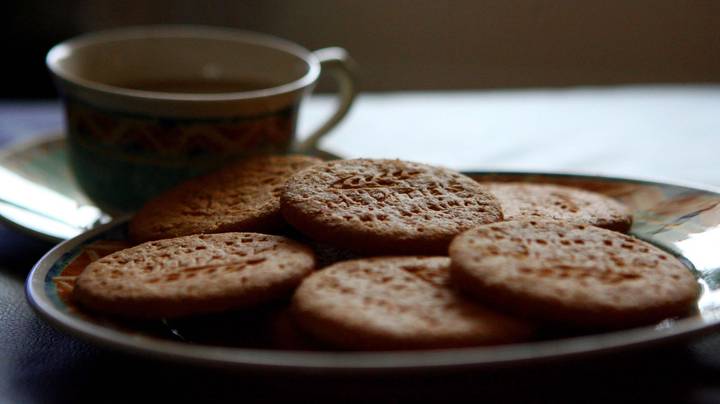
x=121 y=160
x=171 y=141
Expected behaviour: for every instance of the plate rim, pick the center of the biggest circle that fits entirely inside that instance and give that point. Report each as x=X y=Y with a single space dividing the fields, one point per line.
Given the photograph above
x=264 y=359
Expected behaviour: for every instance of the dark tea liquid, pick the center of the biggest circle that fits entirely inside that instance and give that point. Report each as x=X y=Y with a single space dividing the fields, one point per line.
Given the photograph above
x=199 y=86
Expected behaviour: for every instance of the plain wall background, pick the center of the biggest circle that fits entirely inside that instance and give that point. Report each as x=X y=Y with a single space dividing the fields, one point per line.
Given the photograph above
x=404 y=44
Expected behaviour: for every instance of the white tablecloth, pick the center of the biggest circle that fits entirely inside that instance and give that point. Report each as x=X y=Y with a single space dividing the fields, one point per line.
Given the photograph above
x=655 y=132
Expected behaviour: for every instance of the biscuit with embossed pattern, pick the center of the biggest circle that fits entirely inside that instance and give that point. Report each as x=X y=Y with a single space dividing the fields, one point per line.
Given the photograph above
x=546 y=201
x=385 y=206
x=194 y=275
x=571 y=274
x=396 y=303
x=243 y=196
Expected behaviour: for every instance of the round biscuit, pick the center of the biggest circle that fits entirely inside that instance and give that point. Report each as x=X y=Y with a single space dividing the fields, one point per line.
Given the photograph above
x=385 y=207
x=244 y=196
x=572 y=275
x=396 y=303
x=546 y=201
x=194 y=275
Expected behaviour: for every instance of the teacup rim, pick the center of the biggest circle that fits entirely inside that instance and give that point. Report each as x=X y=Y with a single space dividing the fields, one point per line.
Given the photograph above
x=61 y=50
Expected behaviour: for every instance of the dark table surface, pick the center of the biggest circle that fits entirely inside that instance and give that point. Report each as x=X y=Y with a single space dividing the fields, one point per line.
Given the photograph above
x=39 y=364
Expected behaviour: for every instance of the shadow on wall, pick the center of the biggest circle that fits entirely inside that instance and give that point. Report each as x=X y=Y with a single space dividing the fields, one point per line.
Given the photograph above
x=424 y=44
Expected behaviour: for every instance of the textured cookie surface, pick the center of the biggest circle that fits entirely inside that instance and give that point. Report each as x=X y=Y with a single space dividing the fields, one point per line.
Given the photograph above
x=385 y=206
x=572 y=274
x=396 y=303
x=194 y=274
x=538 y=201
x=244 y=196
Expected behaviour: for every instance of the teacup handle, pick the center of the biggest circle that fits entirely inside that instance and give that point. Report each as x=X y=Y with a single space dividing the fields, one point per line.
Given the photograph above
x=336 y=61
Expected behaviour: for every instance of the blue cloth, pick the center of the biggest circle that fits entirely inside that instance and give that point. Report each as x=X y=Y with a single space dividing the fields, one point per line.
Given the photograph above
x=24 y=120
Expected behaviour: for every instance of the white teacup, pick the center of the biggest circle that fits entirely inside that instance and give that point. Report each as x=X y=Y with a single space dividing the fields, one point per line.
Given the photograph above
x=148 y=107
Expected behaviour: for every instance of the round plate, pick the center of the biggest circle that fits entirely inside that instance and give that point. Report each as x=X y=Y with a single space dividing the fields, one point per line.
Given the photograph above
x=681 y=219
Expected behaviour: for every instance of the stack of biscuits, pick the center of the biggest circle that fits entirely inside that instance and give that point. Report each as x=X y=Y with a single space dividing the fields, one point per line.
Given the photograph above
x=387 y=254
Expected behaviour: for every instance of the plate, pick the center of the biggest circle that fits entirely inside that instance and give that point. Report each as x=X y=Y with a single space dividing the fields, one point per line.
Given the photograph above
x=681 y=219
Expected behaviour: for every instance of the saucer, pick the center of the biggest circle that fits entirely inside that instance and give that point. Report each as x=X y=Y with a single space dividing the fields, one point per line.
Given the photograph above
x=39 y=196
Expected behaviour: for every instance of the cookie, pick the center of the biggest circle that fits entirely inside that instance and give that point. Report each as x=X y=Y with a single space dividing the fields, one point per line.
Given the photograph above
x=385 y=207
x=193 y=275
x=572 y=275
x=545 y=201
x=396 y=303
x=244 y=196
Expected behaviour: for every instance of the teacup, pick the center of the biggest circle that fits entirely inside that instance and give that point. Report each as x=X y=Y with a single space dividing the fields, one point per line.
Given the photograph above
x=147 y=107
